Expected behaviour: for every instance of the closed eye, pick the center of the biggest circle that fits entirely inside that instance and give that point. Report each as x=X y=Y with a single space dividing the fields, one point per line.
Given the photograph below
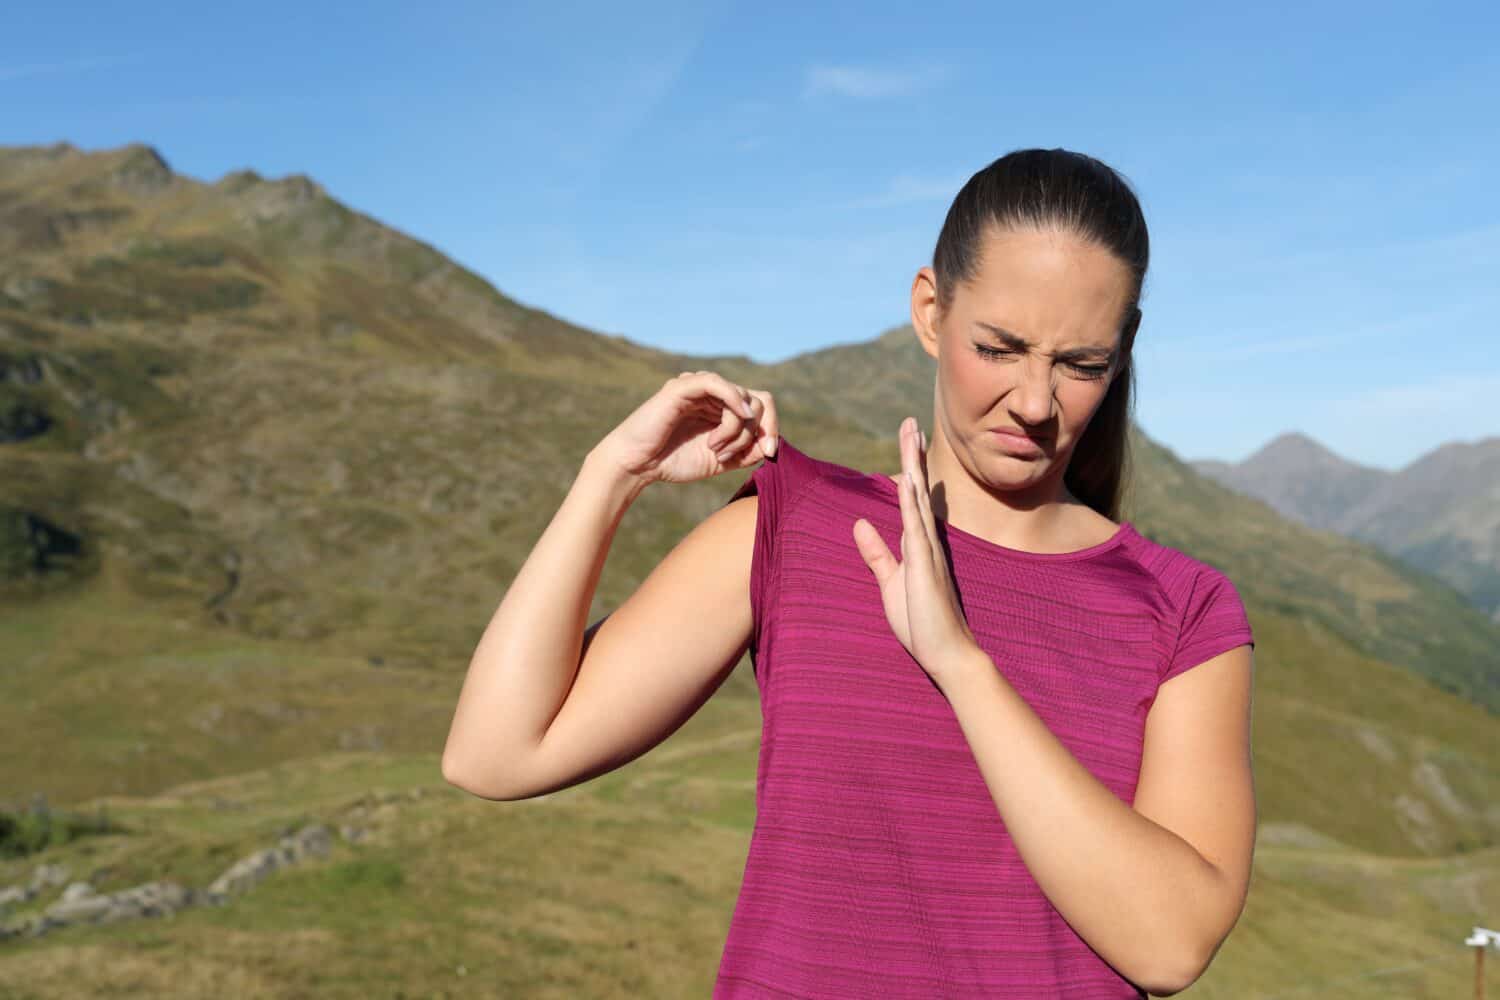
x=1084 y=371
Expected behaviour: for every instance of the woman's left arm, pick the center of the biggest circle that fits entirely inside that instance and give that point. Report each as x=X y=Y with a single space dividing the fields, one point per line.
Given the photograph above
x=1153 y=887
x=1156 y=887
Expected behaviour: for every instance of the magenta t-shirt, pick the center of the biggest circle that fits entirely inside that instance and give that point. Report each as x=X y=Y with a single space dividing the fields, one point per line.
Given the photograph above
x=879 y=865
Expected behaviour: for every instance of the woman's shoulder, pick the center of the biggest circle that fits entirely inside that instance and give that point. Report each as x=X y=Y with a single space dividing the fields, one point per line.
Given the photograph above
x=1178 y=572
x=1208 y=611
x=791 y=472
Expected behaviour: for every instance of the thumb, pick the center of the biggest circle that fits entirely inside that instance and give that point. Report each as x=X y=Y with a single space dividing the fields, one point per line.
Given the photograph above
x=876 y=553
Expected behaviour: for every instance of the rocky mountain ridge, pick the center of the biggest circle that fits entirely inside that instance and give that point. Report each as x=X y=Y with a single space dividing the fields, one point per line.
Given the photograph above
x=1440 y=513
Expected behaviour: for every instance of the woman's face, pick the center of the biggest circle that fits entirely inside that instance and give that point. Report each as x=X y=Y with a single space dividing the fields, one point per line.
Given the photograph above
x=1028 y=346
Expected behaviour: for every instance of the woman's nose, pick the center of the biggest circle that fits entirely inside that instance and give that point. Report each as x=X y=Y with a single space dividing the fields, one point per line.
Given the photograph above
x=1031 y=400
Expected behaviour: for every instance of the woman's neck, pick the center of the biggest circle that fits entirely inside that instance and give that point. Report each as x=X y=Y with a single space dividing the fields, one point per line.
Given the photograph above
x=1043 y=516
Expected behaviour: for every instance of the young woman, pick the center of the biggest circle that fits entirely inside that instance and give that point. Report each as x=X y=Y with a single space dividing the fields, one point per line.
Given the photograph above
x=988 y=767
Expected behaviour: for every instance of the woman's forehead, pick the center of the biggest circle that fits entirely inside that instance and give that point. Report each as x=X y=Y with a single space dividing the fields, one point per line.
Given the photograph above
x=1037 y=285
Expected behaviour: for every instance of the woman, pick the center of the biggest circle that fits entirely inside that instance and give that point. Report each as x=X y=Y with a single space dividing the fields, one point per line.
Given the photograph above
x=988 y=767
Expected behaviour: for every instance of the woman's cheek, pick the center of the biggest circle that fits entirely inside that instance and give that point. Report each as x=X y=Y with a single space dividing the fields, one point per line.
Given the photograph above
x=975 y=385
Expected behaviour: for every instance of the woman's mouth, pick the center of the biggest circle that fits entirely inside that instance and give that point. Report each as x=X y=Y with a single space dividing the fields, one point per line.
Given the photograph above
x=1015 y=443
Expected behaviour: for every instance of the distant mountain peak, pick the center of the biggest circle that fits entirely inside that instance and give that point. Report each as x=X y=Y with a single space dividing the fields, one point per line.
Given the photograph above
x=238 y=180
x=20 y=160
x=144 y=156
x=1458 y=457
x=1293 y=443
x=141 y=170
x=57 y=150
x=263 y=200
x=1295 y=450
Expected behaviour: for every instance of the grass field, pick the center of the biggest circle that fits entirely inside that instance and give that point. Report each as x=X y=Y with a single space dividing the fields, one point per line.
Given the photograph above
x=621 y=887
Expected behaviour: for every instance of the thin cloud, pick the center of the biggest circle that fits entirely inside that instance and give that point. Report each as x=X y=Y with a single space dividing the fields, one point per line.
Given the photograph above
x=866 y=83
x=1442 y=395
x=621 y=98
x=1464 y=247
x=1231 y=344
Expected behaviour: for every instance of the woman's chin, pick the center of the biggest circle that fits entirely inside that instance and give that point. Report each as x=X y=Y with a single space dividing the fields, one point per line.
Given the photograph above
x=1010 y=472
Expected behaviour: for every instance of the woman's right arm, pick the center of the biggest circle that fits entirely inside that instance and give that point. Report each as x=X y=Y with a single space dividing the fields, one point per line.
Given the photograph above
x=547 y=704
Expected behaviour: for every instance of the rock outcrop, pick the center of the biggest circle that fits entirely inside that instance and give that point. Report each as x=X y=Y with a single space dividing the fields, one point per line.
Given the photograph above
x=79 y=903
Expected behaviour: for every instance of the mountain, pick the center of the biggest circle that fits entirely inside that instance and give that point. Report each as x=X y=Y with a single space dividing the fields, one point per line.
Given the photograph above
x=1300 y=479
x=269 y=465
x=1440 y=513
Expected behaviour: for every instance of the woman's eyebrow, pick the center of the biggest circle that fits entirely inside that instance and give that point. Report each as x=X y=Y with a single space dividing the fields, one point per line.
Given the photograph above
x=1020 y=343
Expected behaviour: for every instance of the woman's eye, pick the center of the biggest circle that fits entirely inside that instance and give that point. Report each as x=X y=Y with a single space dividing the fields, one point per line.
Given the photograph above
x=1086 y=371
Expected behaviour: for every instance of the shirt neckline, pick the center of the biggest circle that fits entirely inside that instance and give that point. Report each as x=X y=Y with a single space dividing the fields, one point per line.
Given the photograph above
x=1124 y=531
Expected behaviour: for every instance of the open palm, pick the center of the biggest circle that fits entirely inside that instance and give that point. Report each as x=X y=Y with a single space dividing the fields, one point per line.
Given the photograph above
x=921 y=604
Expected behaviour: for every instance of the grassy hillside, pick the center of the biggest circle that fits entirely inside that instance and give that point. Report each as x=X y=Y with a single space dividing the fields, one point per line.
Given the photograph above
x=274 y=467
x=621 y=887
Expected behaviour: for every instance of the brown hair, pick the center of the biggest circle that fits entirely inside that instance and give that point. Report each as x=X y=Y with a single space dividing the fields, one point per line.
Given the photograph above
x=1058 y=188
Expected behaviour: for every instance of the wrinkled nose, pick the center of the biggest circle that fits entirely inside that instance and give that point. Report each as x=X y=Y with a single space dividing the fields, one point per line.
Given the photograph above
x=1031 y=399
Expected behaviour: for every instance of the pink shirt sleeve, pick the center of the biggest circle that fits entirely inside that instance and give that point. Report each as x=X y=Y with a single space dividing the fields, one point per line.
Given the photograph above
x=777 y=481
x=1213 y=621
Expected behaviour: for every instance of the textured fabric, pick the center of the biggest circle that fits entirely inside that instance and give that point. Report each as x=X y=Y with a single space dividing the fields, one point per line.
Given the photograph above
x=879 y=865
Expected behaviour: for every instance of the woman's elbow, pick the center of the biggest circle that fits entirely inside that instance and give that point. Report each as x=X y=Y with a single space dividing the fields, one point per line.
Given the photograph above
x=459 y=775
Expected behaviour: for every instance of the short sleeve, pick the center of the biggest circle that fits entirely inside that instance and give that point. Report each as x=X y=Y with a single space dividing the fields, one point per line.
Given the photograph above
x=1213 y=621
x=777 y=481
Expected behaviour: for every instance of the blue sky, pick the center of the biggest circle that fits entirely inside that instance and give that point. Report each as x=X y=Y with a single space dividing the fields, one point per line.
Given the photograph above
x=765 y=179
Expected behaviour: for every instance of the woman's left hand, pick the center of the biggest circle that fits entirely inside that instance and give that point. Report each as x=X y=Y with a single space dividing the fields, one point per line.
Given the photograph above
x=921 y=604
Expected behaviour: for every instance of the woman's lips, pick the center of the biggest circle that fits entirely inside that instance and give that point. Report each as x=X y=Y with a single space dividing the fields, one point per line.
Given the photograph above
x=1017 y=444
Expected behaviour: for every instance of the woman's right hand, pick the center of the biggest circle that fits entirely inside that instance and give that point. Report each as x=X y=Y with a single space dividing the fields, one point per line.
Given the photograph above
x=697 y=425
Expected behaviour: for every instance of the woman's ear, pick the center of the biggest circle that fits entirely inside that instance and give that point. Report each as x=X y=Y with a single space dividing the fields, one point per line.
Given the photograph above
x=926 y=314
